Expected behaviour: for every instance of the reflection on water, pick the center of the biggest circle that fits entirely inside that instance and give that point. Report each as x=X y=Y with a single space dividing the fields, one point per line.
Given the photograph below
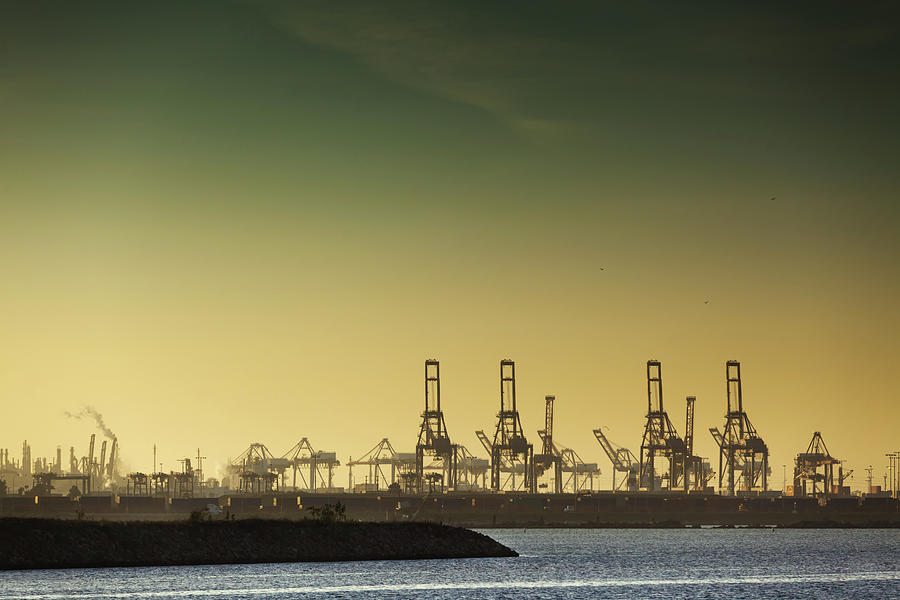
x=554 y=564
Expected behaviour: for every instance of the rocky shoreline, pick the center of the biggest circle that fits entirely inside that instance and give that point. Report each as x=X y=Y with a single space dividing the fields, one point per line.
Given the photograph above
x=57 y=544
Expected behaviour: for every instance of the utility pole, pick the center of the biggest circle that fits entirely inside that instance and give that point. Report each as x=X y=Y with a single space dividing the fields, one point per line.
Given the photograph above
x=897 y=473
x=894 y=472
x=890 y=472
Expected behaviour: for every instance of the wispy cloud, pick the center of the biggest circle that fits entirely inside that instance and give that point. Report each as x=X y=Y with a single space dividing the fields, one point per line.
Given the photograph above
x=436 y=48
x=551 y=71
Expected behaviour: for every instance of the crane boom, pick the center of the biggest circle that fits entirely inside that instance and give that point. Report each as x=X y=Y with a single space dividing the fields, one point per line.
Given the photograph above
x=608 y=448
x=618 y=457
x=91 y=452
x=689 y=427
x=547 y=436
x=102 y=465
x=488 y=446
x=717 y=435
x=623 y=460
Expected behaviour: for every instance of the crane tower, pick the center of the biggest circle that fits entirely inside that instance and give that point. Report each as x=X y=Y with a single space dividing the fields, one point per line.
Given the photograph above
x=740 y=447
x=660 y=438
x=433 y=438
x=510 y=444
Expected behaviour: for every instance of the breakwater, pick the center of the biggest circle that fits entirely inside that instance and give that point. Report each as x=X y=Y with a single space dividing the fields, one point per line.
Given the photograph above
x=57 y=543
x=482 y=510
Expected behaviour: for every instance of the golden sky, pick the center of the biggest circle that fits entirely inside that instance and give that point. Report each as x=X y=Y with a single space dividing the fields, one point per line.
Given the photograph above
x=255 y=225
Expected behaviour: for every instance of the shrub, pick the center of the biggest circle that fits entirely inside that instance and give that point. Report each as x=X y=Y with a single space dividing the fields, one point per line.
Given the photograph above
x=329 y=513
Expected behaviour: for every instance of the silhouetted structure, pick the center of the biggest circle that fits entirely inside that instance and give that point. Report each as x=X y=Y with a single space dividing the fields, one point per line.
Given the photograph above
x=564 y=460
x=505 y=464
x=548 y=458
x=137 y=484
x=660 y=438
x=469 y=469
x=258 y=471
x=623 y=461
x=311 y=468
x=434 y=441
x=183 y=482
x=509 y=445
x=697 y=472
x=816 y=468
x=740 y=447
x=402 y=467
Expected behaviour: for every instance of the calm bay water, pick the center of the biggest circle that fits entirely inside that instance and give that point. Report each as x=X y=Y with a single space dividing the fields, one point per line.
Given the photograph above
x=563 y=563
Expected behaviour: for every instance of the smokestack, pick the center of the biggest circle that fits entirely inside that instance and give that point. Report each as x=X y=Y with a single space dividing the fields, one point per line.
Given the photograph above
x=58 y=460
x=73 y=462
x=26 y=459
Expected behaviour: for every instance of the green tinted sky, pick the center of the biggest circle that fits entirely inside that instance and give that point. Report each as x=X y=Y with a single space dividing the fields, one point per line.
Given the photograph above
x=251 y=221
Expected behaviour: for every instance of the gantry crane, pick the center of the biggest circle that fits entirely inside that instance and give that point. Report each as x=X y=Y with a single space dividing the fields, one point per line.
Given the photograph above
x=549 y=458
x=660 y=438
x=470 y=468
x=581 y=474
x=689 y=425
x=258 y=470
x=564 y=460
x=806 y=470
x=183 y=483
x=433 y=438
x=485 y=441
x=623 y=461
x=383 y=454
x=697 y=473
x=319 y=466
x=740 y=447
x=506 y=465
x=509 y=443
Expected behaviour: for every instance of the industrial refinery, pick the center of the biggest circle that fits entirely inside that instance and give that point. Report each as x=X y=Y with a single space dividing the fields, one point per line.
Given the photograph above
x=443 y=474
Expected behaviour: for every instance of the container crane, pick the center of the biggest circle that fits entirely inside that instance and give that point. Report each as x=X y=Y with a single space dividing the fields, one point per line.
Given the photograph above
x=660 y=438
x=509 y=438
x=549 y=457
x=433 y=438
x=741 y=449
x=623 y=461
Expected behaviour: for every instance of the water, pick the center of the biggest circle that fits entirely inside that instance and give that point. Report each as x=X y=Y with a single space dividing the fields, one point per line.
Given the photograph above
x=561 y=563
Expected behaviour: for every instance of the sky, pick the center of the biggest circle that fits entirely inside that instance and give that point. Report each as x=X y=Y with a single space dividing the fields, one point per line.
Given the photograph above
x=252 y=221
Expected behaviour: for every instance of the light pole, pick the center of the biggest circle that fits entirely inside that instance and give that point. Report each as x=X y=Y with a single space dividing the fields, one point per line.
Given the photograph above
x=895 y=479
x=894 y=472
x=890 y=472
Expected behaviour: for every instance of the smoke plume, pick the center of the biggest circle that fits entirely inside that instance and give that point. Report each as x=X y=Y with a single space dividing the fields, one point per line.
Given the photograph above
x=90 y=411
